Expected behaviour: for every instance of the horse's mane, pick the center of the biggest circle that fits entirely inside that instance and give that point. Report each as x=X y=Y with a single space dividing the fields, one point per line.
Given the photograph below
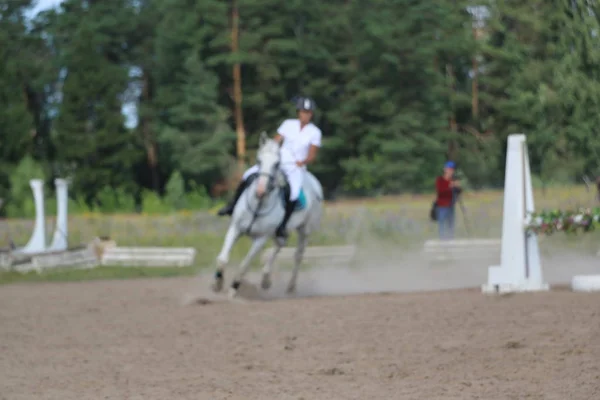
x=270 y=146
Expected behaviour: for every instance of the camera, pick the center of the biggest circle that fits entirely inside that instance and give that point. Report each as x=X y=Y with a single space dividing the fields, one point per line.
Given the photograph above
x=458 y=175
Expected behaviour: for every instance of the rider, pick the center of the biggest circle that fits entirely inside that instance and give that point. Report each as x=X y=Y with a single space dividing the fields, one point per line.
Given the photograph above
x=301 y=138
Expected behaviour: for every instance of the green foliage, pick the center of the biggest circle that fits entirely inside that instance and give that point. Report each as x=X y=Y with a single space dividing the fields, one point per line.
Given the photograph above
x=198 y=133
x=21 y=203
x=111 y=201
x=197 y=197
x=76 y=207
x=175 y=192
x=153 y=204
x=92 y=144
x=393 y=80
x=176 y=197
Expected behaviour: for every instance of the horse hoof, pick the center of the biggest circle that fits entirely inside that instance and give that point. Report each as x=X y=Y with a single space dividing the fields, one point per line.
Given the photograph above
x=235 y=285
x=266 y=282
x=217 y=285
x=232 y=293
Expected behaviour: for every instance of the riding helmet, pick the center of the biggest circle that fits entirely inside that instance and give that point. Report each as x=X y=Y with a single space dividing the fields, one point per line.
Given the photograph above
x=305 y=103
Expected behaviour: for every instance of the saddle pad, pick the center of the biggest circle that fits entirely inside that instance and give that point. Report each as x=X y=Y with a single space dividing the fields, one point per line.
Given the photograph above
x=301 y=204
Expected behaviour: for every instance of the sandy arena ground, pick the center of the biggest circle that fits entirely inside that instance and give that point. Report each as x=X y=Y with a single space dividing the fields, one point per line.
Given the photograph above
x=153 y=340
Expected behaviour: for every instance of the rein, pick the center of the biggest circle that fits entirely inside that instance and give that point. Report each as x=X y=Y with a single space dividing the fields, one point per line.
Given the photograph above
x=255 y=212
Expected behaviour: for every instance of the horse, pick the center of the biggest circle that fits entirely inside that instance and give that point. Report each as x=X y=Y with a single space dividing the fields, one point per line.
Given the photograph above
x=259 y=211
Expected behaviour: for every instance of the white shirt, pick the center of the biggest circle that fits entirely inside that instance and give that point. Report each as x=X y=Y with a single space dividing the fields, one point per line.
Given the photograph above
x=298 y=141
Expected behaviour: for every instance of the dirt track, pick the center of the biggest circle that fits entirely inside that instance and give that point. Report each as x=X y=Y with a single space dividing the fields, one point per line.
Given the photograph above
x=135 y=340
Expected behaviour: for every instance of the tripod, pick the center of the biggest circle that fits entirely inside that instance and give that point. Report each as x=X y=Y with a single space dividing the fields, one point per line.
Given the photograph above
x=457 y=199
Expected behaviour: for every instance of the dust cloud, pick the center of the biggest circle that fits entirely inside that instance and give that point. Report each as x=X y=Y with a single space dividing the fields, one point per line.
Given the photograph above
x=378 y=270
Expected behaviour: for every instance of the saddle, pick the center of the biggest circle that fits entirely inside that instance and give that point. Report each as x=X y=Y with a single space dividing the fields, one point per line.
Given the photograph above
x=282 y=182
x=285 y=185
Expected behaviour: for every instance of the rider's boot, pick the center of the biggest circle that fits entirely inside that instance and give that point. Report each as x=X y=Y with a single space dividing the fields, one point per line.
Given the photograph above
x=228 y=208
x=281 y=233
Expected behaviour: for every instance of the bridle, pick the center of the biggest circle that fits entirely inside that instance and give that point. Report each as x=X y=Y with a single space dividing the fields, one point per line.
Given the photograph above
x=271 y=176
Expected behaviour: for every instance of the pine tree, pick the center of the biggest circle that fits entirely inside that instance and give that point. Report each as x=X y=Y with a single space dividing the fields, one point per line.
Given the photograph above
x=93 y=145
x=542 y=64
x=142 y=88
x=198 y=135
x=399 y=94
x=22 y=119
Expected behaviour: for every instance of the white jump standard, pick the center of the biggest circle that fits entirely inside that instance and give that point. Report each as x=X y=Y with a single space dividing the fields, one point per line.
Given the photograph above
x=59 y=239
x=37 y=242
x=520 y=267
x=36 y=255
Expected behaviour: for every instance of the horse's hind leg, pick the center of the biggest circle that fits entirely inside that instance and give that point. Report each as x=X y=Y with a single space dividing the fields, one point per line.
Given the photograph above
x=266 y=272
x=298 y=256
x=257 y=245
x=223 y=258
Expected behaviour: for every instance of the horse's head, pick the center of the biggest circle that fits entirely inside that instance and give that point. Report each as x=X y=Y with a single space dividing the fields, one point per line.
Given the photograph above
x=269 y=159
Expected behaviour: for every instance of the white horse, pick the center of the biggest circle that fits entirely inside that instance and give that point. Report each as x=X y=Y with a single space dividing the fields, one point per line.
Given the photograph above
x=259 y=211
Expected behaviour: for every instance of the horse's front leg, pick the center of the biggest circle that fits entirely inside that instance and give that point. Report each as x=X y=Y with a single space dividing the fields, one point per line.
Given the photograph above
x=223 y=258
x=298 y=256
x=257 y=245
x=266 y=272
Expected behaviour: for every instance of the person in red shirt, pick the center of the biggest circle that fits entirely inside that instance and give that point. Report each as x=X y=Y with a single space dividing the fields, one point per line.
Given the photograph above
x=447 y=189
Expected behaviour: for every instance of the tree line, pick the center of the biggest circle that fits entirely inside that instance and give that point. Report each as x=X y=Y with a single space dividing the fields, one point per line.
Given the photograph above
x=400 y=85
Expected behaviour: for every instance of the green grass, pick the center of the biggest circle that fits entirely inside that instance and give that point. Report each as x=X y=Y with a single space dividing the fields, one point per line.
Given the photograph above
x=395 y=222
x=77 y=275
